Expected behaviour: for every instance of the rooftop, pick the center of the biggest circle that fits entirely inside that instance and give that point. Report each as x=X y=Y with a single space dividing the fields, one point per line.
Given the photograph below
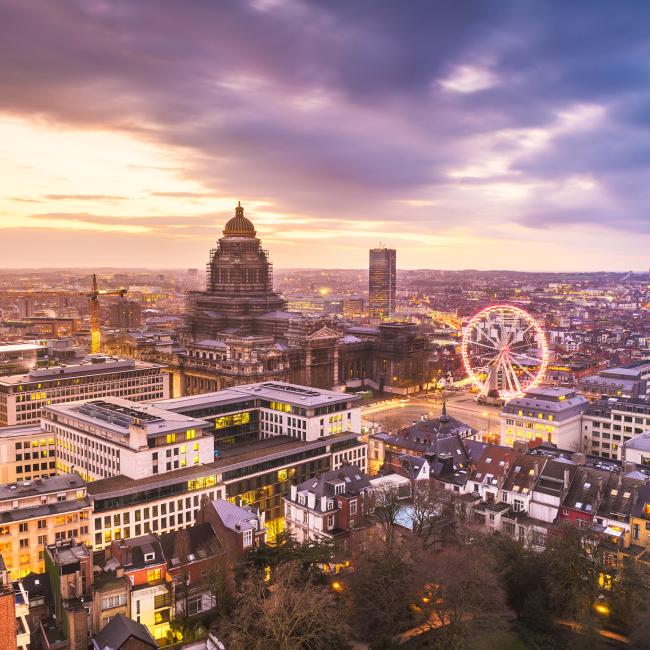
x=41 y=486
x=21 y=430
x=270 y=390
x=89 y=366
x=68 y=552
x=118 y=414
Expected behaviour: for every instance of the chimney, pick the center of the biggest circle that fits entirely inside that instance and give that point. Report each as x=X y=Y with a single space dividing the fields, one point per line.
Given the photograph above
x=567 y=474
x=535 y=469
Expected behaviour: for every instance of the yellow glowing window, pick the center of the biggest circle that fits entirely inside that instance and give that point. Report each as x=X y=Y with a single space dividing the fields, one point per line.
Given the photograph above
x=183 y=449
x=183 y=462
x=43 y=442
x=190 y=434
x=153 y=575
x=196 y=446
x=34 y=443
x=171 y=437
x=196 y=460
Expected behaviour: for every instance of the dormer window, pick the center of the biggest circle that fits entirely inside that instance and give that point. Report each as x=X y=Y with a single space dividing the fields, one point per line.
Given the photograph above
x=247 y=538
x=301 y=499
x=339 y=489
x=149 y=557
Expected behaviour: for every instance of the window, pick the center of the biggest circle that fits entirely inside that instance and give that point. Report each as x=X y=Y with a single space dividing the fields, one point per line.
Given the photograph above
x=22 y=527
x=353 y=507
x=247 y=538
x=153 y=575
x=330 y=522
x=193 y=605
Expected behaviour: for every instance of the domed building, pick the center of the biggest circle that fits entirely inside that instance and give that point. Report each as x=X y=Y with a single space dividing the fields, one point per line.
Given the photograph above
x=239 y=299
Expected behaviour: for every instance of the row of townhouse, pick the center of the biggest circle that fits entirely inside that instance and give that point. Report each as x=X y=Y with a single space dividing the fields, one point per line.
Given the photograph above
x=526 y=492
x=151 y=579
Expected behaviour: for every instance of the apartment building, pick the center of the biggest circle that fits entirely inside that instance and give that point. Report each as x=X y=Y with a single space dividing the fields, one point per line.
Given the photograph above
x=117 y=437
x=26 y=453
x=544 y=414
x=23 y=397
x=39 y=512
x=608 y=424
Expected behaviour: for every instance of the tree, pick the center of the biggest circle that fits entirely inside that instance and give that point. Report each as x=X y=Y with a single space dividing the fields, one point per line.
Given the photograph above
x=460 y=591
x=379 y=592
x=432 y=513
x=294 y=613
x=311 y=554
x=387 y=506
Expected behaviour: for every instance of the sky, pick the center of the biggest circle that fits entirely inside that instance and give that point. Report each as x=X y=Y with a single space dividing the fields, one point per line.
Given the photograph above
x=491 y=135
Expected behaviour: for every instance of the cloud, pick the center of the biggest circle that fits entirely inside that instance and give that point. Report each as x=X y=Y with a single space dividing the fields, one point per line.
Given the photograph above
x=494 y=114
x=85 y=197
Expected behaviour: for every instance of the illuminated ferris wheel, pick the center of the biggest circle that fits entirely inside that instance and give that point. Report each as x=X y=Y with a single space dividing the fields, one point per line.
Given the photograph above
x=504 y=352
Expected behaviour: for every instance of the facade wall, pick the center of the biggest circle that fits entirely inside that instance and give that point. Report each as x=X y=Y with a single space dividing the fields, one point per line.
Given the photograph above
x=22 y=403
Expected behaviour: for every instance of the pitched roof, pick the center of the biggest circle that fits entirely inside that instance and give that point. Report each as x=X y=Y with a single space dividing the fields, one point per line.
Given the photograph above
x=119 y=630
x=236 y=517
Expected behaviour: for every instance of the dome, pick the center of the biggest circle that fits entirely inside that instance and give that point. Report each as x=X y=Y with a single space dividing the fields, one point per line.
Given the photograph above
x=239 y=225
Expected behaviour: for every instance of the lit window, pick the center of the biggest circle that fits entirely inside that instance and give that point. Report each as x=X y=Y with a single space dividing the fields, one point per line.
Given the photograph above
x=153 y=575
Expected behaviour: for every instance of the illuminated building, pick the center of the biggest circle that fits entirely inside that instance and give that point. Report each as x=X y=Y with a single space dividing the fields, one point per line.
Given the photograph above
x=41 y=512
x=382 y=282
x=14 y=609
x=608 y=424
x=26 y=453
x=544 y=414
x=23 y=397
x=114 y=436
x=640 y=521
x=269 y=409
x=126 y=507
x=329 y=505
x=144 y=564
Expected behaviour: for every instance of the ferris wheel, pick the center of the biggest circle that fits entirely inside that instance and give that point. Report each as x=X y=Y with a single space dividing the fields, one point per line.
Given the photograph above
x=504 y=352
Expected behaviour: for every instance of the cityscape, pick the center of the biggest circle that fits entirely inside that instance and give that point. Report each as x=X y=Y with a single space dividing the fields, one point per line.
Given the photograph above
x=274 y=374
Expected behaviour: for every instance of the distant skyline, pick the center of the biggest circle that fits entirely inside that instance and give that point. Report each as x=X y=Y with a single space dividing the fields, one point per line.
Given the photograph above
x=468 y=135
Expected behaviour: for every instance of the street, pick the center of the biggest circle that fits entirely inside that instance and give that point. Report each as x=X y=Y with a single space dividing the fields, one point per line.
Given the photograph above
x=398 y=413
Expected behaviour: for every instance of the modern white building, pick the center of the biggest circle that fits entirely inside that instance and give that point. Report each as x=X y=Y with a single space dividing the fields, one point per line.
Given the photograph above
x=23 y=397
x=114 y=436
x=544 y=414
x=610 y=423
x=281 y=409
x=26 y=453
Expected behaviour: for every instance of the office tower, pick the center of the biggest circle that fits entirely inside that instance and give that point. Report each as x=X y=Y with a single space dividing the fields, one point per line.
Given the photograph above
x=382 y=286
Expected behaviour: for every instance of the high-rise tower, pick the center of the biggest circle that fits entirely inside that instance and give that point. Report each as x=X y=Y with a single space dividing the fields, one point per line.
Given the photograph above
x=382 y=282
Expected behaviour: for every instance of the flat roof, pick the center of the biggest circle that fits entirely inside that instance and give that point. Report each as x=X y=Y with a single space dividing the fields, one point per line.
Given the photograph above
x=41 y=486
x=17 y=430
x=20 y=347
x=269 y=390
x=117 y=414
x=79 y=369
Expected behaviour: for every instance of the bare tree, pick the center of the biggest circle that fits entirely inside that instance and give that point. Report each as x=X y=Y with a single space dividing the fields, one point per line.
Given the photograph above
x=432 y=513
x=294 y=613
x=460 y=590
x=387 y=506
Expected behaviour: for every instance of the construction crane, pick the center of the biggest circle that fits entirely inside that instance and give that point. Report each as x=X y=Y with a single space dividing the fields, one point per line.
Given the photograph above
x=93 y=298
